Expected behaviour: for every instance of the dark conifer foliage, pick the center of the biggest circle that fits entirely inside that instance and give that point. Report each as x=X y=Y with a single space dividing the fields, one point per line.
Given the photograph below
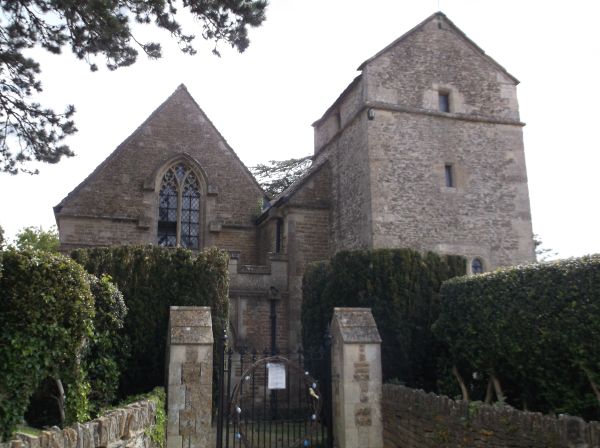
x=277 y=175
x=29 y=131
x=401 y=286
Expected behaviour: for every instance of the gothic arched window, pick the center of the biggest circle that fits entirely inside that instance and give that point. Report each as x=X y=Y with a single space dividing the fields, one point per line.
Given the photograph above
x=179 y=208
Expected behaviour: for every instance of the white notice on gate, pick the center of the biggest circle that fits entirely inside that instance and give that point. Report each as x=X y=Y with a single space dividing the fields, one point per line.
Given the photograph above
x=276 y=373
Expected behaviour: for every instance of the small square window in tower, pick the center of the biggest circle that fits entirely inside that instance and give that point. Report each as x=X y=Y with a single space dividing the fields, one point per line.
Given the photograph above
x=449 y=173
x=444 y=101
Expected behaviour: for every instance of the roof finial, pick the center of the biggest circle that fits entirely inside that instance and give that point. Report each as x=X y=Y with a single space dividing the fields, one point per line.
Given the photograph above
x=439 y=9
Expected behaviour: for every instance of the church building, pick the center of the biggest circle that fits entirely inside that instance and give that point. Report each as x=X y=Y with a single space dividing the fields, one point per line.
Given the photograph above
x=424 y=149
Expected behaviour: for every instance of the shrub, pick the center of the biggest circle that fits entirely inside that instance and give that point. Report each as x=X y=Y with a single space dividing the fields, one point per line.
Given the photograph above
x=401 y=288
x=46 y=312
x=535 y=329
x=151 y=279
x=108 y=347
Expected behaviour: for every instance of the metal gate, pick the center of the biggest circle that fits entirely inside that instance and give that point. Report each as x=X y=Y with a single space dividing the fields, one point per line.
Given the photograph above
x=270 y=400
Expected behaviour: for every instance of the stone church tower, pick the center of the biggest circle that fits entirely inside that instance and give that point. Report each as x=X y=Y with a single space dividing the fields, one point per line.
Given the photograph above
x=424 y=149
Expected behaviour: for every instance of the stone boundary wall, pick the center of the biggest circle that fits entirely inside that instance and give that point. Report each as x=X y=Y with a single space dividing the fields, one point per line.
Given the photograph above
x=415 y=419
x=119 y=428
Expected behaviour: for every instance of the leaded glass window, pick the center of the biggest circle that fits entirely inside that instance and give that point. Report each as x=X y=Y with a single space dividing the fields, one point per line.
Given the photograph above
x=179 y=208
x=477 y=266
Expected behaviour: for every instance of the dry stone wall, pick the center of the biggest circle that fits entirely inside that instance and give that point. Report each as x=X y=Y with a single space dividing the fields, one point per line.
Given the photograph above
x=415 y=419
x=120 y=428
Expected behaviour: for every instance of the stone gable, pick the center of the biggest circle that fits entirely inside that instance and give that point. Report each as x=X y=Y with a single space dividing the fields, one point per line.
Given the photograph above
x=438 y=56
x=117 y=203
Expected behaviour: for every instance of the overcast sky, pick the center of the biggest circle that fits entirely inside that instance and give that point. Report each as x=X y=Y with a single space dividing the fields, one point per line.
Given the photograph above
x=264 y=100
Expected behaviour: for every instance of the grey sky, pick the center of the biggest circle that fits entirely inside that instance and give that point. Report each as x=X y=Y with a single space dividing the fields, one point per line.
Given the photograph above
x=299 y=61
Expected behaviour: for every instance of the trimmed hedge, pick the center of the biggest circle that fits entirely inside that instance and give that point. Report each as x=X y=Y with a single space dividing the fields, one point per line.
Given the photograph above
x=46 y=312
x=534 y=328
x=151 y=279
x=401 y=287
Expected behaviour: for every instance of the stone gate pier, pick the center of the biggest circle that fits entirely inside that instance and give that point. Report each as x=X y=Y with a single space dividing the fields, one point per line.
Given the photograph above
x=356 y=379
x=189 y=377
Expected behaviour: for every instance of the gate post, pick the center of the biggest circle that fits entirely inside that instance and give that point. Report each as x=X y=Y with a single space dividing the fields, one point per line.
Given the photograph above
x=356 y=379
x=189 y=377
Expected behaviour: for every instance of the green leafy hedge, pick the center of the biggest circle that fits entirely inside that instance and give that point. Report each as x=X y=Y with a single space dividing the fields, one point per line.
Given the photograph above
x=534 y=329
x=151 y=279
x=401 y=287
x=108 y=347
x=46 y=313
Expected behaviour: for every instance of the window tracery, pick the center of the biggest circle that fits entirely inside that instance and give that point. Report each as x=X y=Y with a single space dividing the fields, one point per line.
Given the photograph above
x=179 y=201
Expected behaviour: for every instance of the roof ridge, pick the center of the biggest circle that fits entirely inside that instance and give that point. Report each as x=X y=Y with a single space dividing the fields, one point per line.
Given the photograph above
x=116 y=151
x=295 y=186
x=181 y=87
x=439 y=15
x=252 y=178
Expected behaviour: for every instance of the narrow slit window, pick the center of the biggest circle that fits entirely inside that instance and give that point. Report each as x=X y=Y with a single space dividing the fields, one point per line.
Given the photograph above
x=278 y=236
x=444 y=101
x=449 y=173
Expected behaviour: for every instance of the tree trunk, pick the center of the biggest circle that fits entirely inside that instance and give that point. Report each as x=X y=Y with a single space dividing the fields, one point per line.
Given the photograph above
x=60 y=400
x=498 y=388
x=463 y=387
x=489 y=392
x=593 y=384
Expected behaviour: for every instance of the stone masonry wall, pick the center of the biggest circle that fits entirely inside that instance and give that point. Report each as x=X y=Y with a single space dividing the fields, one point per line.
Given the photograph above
x=307 y=238
x=85 y=232
x=415 y=419
x=309 y=241
x=256 y=323
x=347 y=154
x=122 y=193
x=242 y=240
x=388 y=168
x=435 y=57
x=251 y=289
x=120 y=428
x=485 y=214
x=266 y=240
